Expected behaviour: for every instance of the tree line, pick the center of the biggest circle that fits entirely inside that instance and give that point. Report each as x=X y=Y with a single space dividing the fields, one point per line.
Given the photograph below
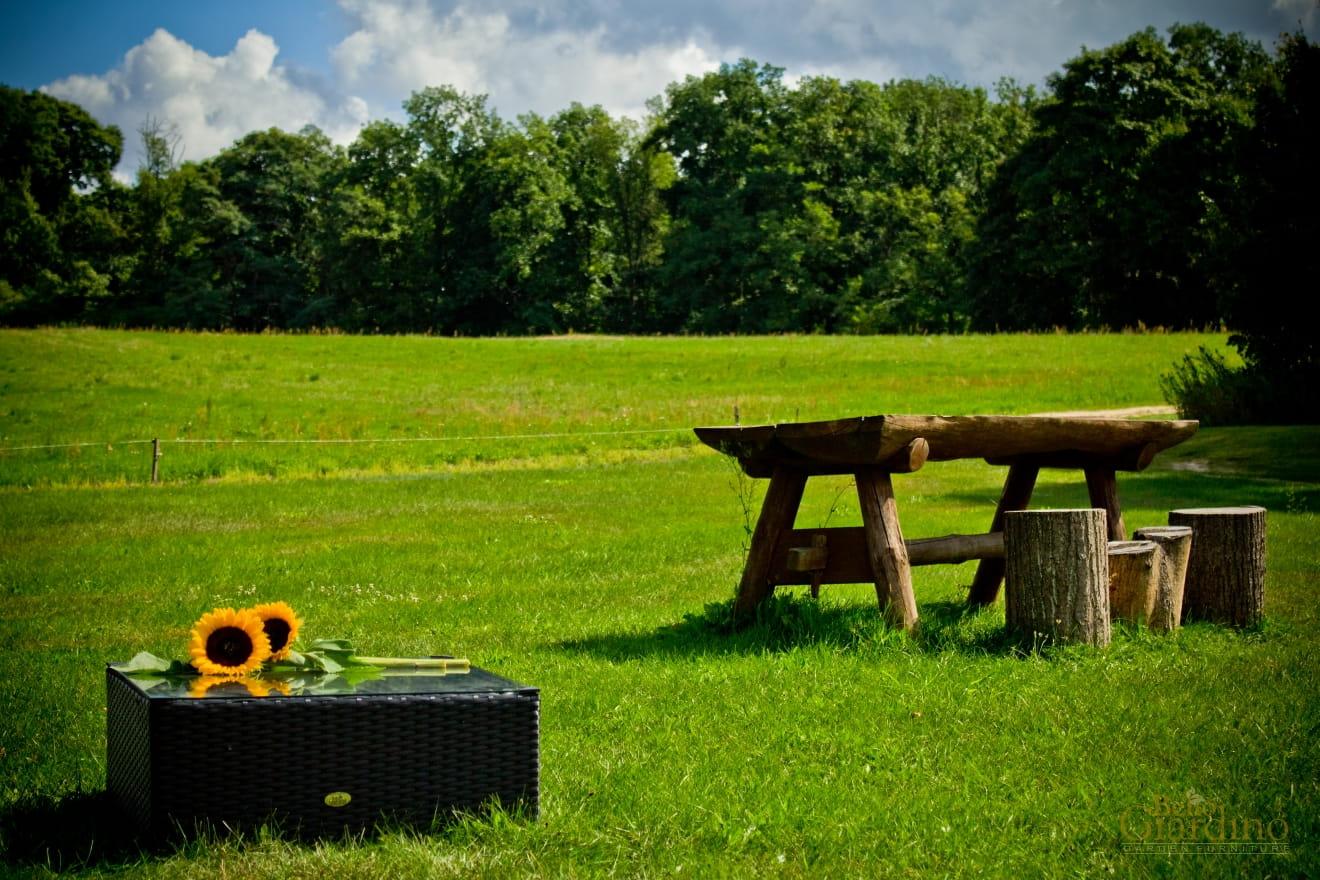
x=1166 y=180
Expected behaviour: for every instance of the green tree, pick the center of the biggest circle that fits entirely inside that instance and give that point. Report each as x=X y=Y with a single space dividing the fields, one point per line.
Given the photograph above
x=582 y=262
x=277 y=182
x=54 y=157
x=211 y=239
x=513 y=206
x=151 y=219
x=903 y=169
x=1119 y=207
x=1277 y=261
x=720 y=272
x=640 y=223
x=830 y=206
x=453 y=131
x=374 y=266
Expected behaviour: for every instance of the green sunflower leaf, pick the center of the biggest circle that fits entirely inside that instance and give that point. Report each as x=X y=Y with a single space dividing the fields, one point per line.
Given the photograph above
x=313 y=661
x=147 y=663
x=324 y=662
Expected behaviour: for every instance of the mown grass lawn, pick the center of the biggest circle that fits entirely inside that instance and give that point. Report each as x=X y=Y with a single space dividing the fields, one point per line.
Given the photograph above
x=817 y=743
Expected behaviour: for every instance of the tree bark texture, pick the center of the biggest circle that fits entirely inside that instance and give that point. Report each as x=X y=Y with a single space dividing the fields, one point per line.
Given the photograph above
x=1102 y=485
x=1175 y=543
x=777 y=513
x=1057 y=575
x=1226 y=569
x=886 y=549
x=846 y=445
x=1134 y=577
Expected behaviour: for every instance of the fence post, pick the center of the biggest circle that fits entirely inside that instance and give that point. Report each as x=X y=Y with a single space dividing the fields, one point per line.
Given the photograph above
x=155 y=460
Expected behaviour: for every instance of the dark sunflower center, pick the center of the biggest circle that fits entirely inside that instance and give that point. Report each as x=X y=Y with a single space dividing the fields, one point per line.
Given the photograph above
x=277 y=631
x=229 y=687
x=229 y=646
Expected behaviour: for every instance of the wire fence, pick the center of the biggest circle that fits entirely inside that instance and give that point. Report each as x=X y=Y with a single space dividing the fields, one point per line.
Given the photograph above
x=105 y=443
x=157 y=444
x=223 y=441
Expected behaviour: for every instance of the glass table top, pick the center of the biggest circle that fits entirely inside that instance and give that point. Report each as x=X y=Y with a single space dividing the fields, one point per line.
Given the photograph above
x=353 y=682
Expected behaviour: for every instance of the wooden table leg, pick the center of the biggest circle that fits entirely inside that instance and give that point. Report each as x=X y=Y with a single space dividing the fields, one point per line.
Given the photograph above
x=1016 y=496
x=885 y=547
x=778 y=510
x=1103 y=488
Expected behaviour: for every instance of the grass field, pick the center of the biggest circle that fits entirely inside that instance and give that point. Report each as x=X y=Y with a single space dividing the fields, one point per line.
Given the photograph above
x=816 y=743
x=113 y=389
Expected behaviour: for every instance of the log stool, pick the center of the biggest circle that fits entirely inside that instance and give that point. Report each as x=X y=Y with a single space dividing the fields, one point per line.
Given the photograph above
x=1226 y=569
x=1175 y=543
x=1057 y=574
x=1134 y=577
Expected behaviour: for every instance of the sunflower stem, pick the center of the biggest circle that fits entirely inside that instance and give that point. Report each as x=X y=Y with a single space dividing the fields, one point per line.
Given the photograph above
x=448 y=664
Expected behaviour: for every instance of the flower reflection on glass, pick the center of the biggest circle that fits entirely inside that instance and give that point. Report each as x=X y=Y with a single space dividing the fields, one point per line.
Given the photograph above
x=265 y=687
x=228 y=685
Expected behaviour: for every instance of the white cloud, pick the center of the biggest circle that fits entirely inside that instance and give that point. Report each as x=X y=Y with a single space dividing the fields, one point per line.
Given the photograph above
x=971 y=41
x=212 y=100
x=406 y=45
x=1303 y=12
x=540 y=55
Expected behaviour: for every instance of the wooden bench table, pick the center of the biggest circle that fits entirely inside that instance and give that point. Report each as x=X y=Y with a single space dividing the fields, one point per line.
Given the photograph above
x=871 y=448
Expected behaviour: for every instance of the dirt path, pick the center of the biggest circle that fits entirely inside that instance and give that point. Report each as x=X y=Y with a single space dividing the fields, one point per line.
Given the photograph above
x=1130 y=412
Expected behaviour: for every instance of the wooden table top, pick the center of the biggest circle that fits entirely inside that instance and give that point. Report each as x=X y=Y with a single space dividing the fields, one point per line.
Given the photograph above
x=844 y=445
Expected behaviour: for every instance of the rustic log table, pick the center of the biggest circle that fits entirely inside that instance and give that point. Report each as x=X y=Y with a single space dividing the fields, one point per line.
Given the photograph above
x=871 y=448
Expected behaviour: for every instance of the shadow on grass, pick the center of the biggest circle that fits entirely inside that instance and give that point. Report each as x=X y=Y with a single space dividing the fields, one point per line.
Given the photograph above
x=788 y=621
x=1168 y=489
x=79 y=830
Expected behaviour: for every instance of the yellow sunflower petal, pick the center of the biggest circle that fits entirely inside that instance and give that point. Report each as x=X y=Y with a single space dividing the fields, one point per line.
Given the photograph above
x=281 y=626
x=203 y=683
x=228 y=642
x=206 y=685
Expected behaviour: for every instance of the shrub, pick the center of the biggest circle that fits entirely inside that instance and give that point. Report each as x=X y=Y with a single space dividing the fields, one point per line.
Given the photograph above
x=1203 y=386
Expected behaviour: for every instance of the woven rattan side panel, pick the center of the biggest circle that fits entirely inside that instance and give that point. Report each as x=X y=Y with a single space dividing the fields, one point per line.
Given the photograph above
x=408 y=758
x=127 y=750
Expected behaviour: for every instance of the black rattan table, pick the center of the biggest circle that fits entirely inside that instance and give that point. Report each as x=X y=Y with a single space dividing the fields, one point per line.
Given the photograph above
x=410 y=748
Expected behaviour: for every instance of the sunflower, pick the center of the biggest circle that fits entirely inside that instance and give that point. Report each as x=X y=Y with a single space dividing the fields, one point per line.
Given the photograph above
x=228 y=642
x=281 y=626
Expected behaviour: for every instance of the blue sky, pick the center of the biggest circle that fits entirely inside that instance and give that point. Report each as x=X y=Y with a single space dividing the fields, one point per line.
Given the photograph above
x=219 y=69
x=46 y=40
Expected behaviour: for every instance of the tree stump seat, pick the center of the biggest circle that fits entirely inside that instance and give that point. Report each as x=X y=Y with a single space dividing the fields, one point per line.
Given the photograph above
x=1226 y=567
x=1058 y=586
x=1134 y=577
x=1175 y=543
